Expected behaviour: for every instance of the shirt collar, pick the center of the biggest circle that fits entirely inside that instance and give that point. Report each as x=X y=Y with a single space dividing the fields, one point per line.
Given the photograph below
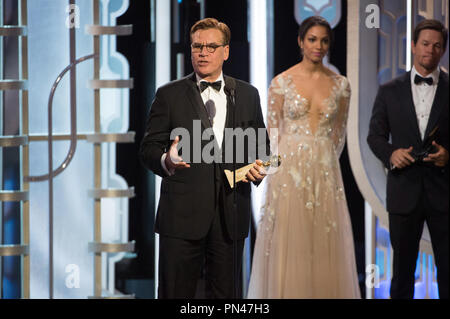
x=434 y=75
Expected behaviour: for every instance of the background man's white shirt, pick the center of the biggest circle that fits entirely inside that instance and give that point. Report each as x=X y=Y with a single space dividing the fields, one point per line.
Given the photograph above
x=423 y=97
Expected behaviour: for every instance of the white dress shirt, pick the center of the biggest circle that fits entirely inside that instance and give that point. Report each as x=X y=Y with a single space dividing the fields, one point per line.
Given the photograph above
x=423 y=97
x=219 y=99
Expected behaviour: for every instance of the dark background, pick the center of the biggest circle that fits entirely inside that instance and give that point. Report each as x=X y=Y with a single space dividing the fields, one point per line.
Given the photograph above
x=137 y=275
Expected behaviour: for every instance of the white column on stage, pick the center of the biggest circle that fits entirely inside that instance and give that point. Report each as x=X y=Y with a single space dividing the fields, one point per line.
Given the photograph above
x=369 y=233
x=202 y=8
x=161 y=11
x=258 y=67
x=259 y=71
x=1 y=149
x=409 y=18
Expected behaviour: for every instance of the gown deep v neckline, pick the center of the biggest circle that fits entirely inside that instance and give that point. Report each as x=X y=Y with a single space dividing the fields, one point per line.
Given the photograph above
x=324 y=110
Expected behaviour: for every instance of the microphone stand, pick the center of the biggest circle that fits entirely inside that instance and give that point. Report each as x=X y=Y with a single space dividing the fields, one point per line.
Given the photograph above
x=230 y=92
x=235 y=253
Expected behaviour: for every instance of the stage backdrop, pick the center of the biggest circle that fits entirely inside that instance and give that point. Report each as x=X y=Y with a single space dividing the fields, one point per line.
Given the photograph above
x=90 y=201
x=378 y=52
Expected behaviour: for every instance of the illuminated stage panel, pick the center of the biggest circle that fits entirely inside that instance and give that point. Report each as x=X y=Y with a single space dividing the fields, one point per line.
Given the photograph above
x=73 y=207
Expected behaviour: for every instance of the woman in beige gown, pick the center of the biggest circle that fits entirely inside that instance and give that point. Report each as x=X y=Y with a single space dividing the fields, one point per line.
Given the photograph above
x=304 y=245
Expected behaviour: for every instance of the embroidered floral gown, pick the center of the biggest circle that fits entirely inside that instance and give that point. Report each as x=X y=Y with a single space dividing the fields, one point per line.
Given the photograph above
x=304 y=245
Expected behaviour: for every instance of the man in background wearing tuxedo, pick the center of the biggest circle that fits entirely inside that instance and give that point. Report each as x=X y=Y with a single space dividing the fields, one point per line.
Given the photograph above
x=409 y=134
x=195 y=218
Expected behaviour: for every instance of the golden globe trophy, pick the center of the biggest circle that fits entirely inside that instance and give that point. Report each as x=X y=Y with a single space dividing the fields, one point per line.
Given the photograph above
x=274 y=161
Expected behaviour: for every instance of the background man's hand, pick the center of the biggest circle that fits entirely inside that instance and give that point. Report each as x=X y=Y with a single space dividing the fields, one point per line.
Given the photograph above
x=402 y=158
x=440 y=158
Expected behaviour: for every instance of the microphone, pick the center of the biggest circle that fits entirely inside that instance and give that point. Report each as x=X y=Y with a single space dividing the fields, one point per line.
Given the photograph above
x=230 y=87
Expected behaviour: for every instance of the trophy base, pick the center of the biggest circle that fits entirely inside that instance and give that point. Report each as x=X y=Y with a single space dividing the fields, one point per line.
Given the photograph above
x=240 y=174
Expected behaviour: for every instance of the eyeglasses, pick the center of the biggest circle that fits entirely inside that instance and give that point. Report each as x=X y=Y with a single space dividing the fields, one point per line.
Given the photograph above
x=211 y=47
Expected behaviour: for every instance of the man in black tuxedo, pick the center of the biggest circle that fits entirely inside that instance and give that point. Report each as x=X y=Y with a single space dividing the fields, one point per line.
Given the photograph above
x=195 y=217
x=409 y=134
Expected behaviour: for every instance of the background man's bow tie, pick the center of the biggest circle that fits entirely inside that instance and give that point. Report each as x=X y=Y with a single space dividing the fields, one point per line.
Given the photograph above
x=418 y=79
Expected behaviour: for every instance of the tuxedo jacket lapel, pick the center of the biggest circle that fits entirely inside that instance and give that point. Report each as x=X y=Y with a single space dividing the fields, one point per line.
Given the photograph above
x=437 y=106
x=408 y=105
x=229 y=119
x=196 y=101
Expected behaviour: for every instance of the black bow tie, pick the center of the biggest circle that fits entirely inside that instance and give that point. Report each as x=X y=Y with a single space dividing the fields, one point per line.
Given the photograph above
x=418 y=79
x=215 y=85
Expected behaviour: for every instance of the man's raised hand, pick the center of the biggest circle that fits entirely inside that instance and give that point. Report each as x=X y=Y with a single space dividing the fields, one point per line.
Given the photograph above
x=173 y=161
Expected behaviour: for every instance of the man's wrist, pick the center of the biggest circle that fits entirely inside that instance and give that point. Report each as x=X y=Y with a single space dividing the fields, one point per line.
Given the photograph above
x=169 y=171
